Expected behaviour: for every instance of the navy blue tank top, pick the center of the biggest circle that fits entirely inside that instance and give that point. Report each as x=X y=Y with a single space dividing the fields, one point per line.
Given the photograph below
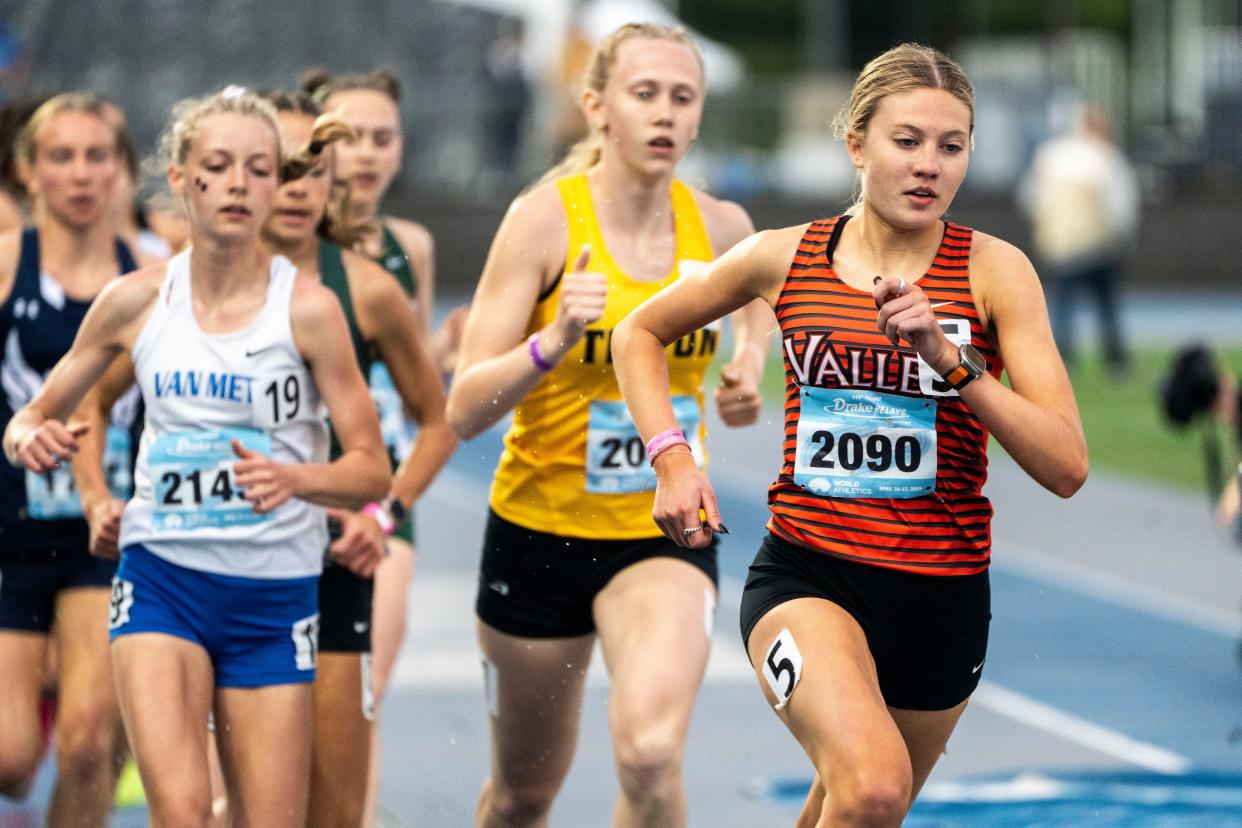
x=38 y=323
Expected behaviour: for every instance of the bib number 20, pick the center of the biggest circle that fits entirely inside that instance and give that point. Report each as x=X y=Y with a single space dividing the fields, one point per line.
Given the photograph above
x=620 y=453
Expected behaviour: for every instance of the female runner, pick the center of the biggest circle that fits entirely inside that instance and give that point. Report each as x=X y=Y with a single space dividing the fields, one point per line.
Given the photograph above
x=866 y=609
x=53 y=591
x=570 y=553
x=382 y=327
x=214 y=603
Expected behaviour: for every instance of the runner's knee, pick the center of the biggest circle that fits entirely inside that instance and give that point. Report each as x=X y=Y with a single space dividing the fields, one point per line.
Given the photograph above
x=186 y=813
x=84 y=739
x=522 y=804
x=873 y=795
x=647 y=757
x=18 y=763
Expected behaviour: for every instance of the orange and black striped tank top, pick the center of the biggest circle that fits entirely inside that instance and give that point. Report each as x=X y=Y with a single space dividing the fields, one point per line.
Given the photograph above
x=884 y=464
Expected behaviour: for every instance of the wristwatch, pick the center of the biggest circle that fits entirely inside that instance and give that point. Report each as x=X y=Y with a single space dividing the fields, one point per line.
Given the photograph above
x=395 y=510
x=971 y=367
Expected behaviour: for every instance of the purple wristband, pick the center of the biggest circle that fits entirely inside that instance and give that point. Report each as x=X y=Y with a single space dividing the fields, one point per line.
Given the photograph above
x=540 y=363
x=664 y=440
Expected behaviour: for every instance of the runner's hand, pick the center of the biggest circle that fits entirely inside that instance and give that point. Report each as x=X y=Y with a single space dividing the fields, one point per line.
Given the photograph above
x=683 y=495
x=105 y=528
x=360 y=548
x=46 y=446
x=737 y=396
x=583 y=297
x=904 y=312
x=267 y=483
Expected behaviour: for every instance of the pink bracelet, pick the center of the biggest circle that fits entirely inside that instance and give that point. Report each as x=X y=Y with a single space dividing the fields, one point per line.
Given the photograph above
x=665 y=440
x=535 y=357
x=381 y=516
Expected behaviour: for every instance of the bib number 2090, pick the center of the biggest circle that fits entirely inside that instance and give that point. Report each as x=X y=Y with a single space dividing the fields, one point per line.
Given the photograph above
x=879 y=452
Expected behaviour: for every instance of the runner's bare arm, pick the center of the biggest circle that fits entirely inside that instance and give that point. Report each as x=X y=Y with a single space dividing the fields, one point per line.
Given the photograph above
x=389 y=323
x=753 y=269
x=37 y=436
x=361 y=473
x=1037 y=421
x=95 y=411
x=494 y=368
x=738 y=398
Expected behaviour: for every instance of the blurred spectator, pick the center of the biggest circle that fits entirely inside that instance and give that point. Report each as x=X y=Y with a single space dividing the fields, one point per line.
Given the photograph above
x=13 y=196
x=1082 y=199
x=509 y=87
x=14 y=63
x=127 y=212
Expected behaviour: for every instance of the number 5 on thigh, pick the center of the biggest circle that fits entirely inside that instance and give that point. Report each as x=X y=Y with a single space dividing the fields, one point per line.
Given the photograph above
x=782 y=667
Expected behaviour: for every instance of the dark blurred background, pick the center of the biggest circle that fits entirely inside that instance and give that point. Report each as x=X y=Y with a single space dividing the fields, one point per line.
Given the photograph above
x=488 y=104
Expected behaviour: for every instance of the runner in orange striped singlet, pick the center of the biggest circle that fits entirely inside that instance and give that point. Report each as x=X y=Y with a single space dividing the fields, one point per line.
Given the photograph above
x=831 y=340
x=866 y=609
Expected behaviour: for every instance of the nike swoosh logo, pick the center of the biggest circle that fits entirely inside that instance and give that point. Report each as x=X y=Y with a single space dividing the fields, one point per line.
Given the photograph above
x=978 y=666
x=253 y=351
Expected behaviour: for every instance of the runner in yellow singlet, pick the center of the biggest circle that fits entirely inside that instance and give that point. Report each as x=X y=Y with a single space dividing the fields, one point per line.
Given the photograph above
x=570 y=552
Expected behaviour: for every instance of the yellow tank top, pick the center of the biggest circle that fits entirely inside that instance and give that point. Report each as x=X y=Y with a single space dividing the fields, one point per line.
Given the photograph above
x=573 y=463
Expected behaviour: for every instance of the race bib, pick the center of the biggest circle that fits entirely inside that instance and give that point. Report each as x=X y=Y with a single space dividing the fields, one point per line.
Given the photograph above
x=192 y=477
x=397 y=430
x=54 y=495
x=859 y=443
x=616 y=461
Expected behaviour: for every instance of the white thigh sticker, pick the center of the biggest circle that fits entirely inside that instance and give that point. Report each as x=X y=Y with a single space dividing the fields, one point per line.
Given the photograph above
x=305 y=635
x=122 y=600
x=783 y=667
x=491 y=688
x=368 y=688
x=709 y=611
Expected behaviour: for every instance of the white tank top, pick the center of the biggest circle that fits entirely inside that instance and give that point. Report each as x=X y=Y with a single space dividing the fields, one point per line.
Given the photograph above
x=201 y=392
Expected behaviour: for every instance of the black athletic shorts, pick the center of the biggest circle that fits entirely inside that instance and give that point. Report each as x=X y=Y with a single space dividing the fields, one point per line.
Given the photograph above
x=344 y=610
x=536 y=585
x=30 y=580
x=928 y=634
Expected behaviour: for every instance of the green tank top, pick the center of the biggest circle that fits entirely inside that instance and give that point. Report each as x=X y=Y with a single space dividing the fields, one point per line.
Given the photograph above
x=392 y=258
x=333 y=276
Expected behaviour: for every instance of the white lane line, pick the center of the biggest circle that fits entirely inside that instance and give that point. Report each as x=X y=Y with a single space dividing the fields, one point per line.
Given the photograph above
x=1024 y=709
x=1105 y=586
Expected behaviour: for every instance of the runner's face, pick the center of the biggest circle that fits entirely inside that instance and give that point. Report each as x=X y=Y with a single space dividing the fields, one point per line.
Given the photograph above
x=229 y=177
x=914 y=156
x=75 y=168
x=300 y=204
x=369 y=162
x=652 y=104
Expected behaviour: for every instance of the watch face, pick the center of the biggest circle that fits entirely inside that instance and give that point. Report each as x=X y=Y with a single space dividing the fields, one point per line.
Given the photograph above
x=973 y=360
x=395 y=509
